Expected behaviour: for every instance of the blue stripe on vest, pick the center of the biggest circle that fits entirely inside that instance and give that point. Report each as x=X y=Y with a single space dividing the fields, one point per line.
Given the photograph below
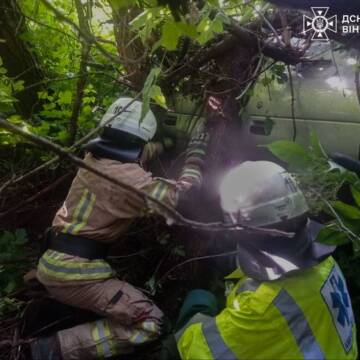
x=299 y=326
x=216 y=344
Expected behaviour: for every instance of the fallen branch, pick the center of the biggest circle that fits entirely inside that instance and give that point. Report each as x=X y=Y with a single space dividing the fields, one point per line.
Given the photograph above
x=230 y=253
x=171 y=214
x=238 y=35
x=73 y=147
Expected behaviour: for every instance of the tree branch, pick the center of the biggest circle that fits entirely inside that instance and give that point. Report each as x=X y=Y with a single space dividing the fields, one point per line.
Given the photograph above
x=91 y=39
x=171 y=214
x=73 y=147
x=83 y=75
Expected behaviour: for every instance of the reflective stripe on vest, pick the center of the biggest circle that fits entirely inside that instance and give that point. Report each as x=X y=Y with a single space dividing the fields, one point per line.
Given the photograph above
x=216 y=344
x=298 y=326
x=102 y=338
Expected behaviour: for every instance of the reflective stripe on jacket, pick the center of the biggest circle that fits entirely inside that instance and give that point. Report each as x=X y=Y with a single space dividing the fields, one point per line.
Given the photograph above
x=304 y=316
x=63 y=267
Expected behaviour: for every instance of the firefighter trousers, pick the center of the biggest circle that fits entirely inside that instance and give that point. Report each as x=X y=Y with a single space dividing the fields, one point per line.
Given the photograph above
x=129 y=319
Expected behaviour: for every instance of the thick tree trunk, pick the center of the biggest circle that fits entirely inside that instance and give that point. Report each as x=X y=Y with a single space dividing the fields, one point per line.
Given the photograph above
x=17 y=58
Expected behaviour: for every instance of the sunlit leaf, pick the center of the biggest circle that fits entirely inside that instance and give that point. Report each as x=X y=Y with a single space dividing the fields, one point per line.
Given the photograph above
x=158 y=96
x=291 y=153
x=170 y=35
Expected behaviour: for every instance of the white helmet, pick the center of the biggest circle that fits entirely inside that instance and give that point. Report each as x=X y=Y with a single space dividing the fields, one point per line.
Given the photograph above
x=129 y=120
x=261 y=193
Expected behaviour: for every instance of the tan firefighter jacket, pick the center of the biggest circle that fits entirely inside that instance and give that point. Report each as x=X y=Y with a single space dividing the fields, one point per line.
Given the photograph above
x=99 y=210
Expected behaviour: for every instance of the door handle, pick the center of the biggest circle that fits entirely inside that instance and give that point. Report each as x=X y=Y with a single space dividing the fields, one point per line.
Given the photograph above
x=261 y=127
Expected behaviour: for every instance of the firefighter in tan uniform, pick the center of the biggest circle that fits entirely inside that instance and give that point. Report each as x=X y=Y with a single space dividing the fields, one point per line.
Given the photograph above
x=95 y=214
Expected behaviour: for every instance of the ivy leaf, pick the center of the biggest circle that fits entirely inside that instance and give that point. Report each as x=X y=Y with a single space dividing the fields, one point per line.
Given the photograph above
x=348 y=211
x=290 y=152
x=157 y=94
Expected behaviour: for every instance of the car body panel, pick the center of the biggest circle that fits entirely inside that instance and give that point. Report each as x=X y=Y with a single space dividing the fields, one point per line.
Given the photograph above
x=325 y=101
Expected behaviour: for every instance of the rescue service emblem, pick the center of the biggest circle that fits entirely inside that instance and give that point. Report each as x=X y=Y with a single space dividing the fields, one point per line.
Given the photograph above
x=336 y=297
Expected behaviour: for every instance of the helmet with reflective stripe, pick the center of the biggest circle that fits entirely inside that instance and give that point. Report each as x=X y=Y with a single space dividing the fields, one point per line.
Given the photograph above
x=261 y=193
x=129 y=121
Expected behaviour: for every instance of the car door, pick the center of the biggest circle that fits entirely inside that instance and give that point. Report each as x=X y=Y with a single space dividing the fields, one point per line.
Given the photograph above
x=325 y=101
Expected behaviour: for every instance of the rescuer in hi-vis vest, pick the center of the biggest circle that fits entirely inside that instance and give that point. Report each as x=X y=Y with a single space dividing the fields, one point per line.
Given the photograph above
x=288 y=298
x=95 y=214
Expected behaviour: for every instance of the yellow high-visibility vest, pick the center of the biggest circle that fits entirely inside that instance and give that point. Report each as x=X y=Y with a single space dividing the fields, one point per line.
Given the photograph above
x=307 y=315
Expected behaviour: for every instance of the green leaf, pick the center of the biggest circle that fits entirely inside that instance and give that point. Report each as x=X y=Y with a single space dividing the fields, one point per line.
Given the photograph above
x=151 y=285
x=348 y=211
x=140 y=20
x=217 y=25
x=117 y=4
x=330 y=236
x=179 y=251
x=65 y=97
x=316 y=145
x=170 y=36
x=207 y=29
x=149 y=82
x=20 y=237
x=158 y=96
x=290 y=152
x=356 y=195
x=7 y=238
x=11 y=286
x=187 y=29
